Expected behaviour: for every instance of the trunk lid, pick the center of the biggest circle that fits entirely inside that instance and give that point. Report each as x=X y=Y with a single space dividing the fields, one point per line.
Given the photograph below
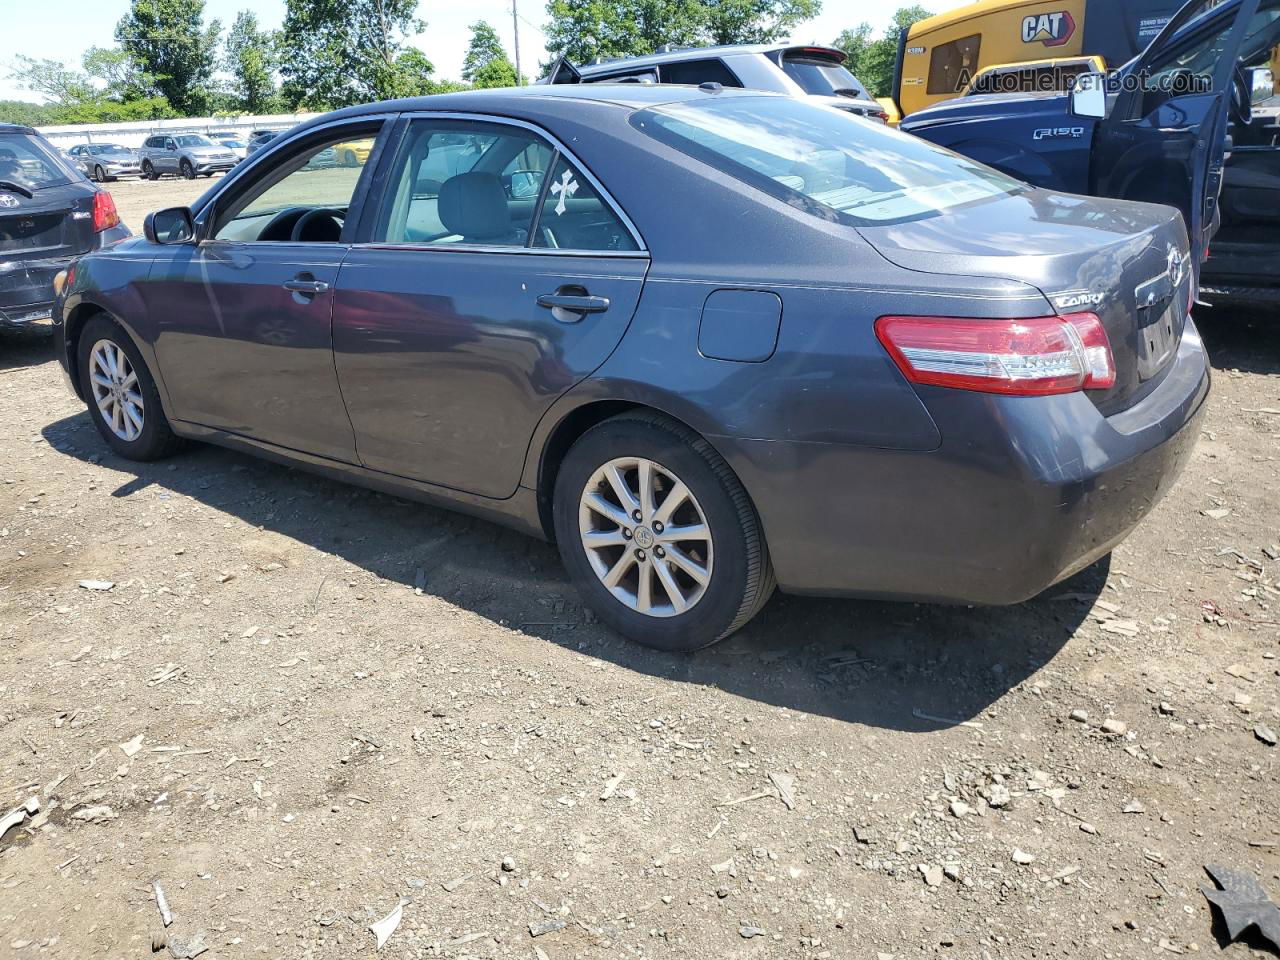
x=1128 y=263
x=56 y=222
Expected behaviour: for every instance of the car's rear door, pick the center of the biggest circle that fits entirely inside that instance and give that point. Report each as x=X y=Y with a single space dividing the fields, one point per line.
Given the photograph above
x=1164 y=140
x=494 y=274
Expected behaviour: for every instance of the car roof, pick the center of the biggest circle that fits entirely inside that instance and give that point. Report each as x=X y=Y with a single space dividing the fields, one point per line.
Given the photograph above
x=697 y=53
x=630 y=96
x=17 y=128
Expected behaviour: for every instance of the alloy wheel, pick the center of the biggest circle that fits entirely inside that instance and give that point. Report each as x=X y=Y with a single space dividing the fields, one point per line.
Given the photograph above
x=99 y=174
x=116 y=390
x=646 y=537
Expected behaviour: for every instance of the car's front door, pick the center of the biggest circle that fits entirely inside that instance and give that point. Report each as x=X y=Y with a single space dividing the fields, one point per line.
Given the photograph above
x=1164 y=140
x=493 y=274
x=243 y=318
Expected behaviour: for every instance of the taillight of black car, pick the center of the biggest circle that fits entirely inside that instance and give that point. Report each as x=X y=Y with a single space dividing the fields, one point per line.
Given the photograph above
x=1039 y=356
x=104 y=212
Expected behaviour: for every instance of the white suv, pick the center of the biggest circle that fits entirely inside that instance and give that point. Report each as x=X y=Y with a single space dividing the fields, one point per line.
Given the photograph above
x=816 y=72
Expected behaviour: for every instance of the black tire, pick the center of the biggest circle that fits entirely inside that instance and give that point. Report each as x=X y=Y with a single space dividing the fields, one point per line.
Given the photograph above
x=188 y=171
x=148 y=171
x=741 y=578
x=156 y=439
x=99 y=174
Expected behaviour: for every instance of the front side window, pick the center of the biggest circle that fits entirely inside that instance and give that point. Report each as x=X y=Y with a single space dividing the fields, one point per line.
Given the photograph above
x=825 y=161
x=953 y=65
x=464 y=182
x=303 y=198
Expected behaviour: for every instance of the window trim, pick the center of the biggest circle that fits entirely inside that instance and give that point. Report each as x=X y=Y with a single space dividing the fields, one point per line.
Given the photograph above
x=558 y=149
x=248 y=179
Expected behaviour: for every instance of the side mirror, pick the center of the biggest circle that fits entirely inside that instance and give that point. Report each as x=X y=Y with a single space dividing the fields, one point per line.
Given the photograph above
x=1089 y=96
x=171 y=226
x=524 y=184
x=1262 y=85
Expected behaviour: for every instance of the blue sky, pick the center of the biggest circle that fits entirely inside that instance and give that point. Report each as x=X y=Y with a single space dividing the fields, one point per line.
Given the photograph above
x=63 y=29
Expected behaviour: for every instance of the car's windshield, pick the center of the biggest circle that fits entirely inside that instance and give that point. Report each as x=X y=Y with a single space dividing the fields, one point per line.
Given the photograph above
x=823 y=160
x=27 y=162
x=822 y=77
x=231 y=141
x=193 y=140
x=100 y=149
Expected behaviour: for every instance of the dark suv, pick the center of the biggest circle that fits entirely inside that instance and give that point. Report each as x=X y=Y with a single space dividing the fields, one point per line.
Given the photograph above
x=49 y=214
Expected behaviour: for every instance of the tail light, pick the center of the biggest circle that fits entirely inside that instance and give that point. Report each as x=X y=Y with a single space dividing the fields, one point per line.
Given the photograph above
x=1022 y=358
x=104 y=212
x=879 y=115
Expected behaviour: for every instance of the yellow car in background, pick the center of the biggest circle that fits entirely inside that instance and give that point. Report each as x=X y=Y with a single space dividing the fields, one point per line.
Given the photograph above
x=352 y=154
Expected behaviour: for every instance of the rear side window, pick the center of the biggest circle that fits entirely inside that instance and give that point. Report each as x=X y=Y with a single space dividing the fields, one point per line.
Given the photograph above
x=822 y=77
x=575 y=217
x=694 y=72
x=28 y=162
x=824 y=161
x=953 y=64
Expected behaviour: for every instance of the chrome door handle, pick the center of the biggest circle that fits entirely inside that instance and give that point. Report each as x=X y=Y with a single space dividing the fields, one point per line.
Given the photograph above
x=308 y=287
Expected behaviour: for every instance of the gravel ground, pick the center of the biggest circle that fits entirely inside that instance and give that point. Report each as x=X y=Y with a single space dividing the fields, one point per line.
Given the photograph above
x=299 y=705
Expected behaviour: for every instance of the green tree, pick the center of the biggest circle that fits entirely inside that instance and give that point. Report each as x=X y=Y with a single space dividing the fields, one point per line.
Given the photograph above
x=412 y=74
x=495 y=73
x=122 y=78
x=169 y=41
x=583 y=30
x=27 y=114
x=855 y=43
x=51 y=79
x=252 y=61
x=754 y=21
x=341 y=52
x=485 y=49
x=872 y=61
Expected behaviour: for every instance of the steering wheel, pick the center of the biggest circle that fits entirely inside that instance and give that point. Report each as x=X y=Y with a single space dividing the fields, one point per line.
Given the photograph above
x=1241 y=98
x=280 y=227
x=325 y=223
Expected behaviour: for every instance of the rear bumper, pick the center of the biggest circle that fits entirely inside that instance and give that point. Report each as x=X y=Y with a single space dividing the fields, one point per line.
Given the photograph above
x=26 y=290
x=1022 y=493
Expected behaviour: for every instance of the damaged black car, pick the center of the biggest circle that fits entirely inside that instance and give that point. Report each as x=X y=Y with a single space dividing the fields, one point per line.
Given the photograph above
x=49 y=214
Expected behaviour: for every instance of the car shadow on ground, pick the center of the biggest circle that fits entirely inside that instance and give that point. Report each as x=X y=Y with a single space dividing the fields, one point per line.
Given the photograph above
x=890 y=665
x=1241 y=339
x=22 y=348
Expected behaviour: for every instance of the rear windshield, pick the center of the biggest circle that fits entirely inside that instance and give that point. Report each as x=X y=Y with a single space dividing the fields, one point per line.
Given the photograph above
x=26 y=161
x=826 y=161
x=823 y=77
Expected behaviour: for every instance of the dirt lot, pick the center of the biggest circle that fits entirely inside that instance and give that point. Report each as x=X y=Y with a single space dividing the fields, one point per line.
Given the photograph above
x=301 y=704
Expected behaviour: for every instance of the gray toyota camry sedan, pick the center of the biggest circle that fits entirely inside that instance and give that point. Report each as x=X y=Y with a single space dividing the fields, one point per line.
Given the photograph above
x=709 y=341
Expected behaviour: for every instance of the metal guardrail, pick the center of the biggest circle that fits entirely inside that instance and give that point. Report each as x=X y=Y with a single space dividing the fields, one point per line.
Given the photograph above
x=133 y=132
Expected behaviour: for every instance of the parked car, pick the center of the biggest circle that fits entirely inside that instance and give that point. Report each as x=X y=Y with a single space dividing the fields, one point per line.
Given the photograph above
x=815 y=72
x=233 y=141
x=1214 y=153
x=734 y=338
x=351 y=154
x=49 y=213
x=106 y=161
x=259 y=140
x=184 y=154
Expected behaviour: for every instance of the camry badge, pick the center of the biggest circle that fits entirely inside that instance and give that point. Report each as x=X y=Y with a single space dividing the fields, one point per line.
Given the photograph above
x=1077 y=298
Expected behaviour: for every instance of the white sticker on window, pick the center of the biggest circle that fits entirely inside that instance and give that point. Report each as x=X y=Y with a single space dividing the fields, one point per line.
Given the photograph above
x=564 y=188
